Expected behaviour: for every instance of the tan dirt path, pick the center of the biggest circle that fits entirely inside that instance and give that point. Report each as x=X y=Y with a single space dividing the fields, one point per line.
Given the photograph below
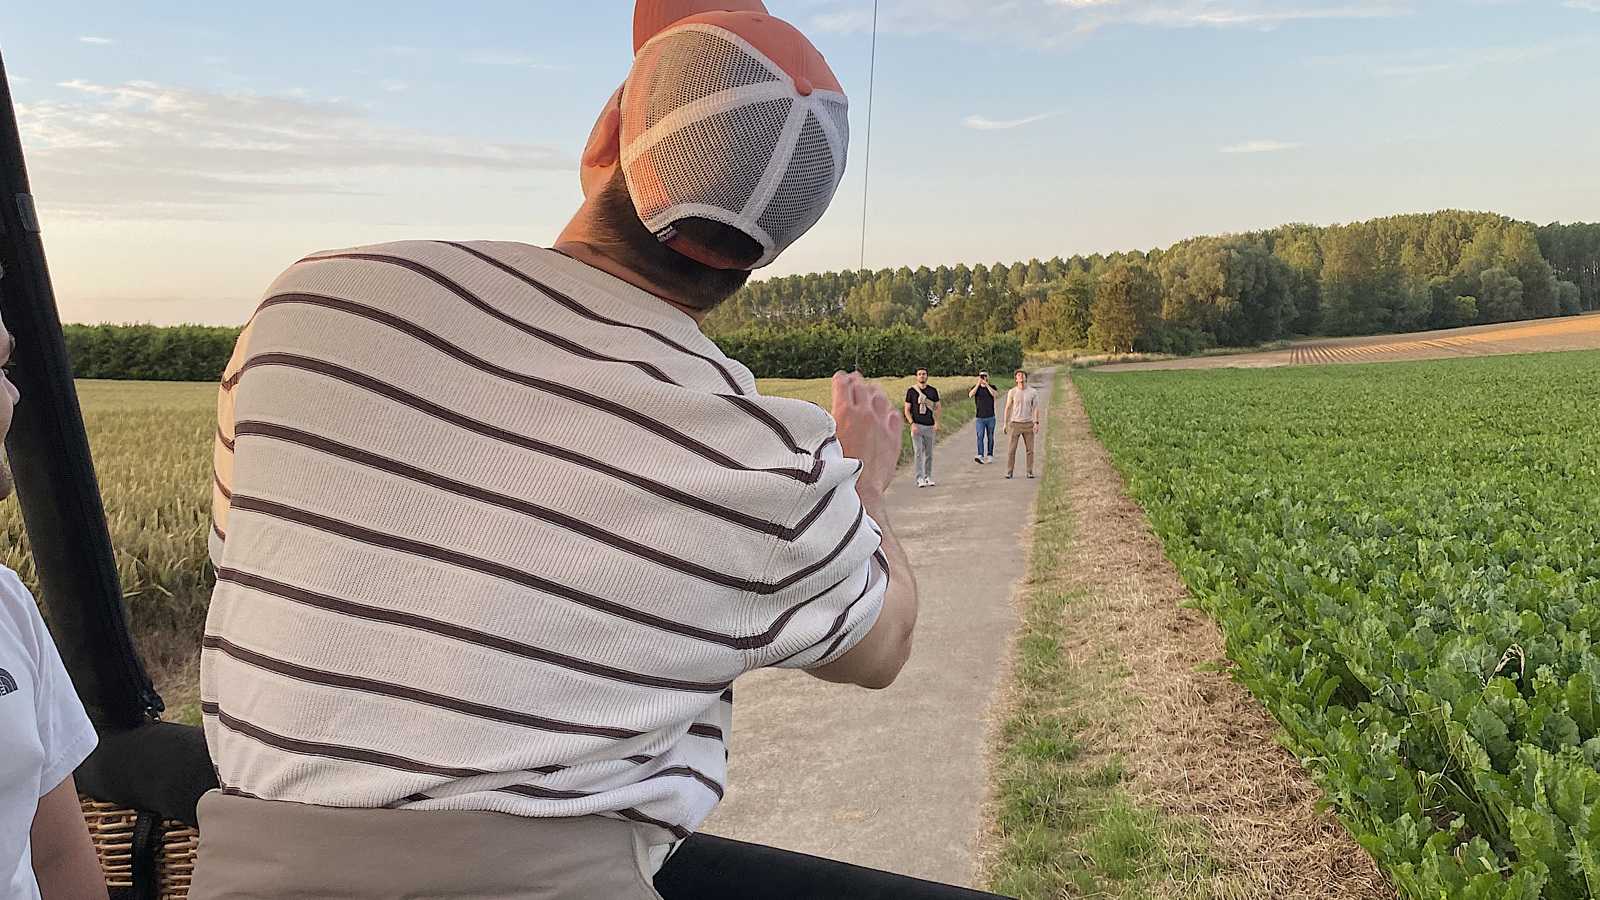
x=896 y=779
x=1202 y=746
x=1538 y=336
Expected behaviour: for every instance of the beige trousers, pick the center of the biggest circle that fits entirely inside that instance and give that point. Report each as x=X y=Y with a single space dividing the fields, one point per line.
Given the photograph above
x=1023 y=430
x=259 y=849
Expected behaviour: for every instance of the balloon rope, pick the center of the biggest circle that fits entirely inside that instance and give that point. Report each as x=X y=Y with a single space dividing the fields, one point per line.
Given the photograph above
x=866 y=165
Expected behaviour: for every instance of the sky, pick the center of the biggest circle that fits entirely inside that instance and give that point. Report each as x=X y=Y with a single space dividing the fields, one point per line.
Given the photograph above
x=182 y=154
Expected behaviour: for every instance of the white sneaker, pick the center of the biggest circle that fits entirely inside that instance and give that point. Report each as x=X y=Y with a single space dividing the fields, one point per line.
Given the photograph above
x=922 y=482
x=930 y=481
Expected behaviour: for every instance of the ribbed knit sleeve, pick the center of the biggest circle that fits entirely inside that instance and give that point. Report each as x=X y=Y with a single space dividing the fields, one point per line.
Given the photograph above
x=844 y=574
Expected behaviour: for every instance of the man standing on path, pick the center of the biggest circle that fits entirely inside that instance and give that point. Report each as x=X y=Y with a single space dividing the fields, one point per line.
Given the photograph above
x=1022 y=420
x=983 y=395
x=922 y=412
x=497 y=527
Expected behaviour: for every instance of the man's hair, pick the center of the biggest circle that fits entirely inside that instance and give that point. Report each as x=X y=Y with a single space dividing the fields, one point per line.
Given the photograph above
x=626 y=239
x=920 y=370
x=1022 y=372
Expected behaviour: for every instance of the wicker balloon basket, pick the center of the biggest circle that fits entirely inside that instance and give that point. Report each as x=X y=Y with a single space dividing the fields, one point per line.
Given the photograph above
x=111 y=828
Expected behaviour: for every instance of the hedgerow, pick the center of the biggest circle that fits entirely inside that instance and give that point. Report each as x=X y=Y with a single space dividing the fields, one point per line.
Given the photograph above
x=199 y=353
x=149 y=352
x=819 y=351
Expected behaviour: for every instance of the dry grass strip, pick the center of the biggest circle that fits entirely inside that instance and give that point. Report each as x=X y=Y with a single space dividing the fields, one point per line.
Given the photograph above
x=1196 y=743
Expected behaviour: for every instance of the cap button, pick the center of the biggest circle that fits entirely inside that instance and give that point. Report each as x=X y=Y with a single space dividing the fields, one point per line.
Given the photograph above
x=803 y=85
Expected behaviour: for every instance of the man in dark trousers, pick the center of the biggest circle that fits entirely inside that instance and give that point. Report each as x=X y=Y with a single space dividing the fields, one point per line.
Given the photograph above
x=922 y=413
x=983 y=394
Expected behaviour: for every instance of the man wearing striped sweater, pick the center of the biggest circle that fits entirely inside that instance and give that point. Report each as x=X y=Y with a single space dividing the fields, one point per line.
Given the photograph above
x=497 y=527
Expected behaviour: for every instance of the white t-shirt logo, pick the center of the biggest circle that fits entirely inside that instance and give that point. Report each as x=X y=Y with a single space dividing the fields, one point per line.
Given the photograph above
x=7 y=683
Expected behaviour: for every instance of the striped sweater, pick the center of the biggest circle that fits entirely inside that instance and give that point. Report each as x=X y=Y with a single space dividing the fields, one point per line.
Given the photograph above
x=495 y=530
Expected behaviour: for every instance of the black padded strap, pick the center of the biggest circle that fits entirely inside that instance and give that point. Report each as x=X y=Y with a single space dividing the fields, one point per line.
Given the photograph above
x=161 y=767
x=49 y=456
x=707 y=867
x=147 y=834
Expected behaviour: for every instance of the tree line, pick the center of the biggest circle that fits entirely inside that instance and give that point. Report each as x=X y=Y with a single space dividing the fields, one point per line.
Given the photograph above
x=1393 y=274
x=200 y=353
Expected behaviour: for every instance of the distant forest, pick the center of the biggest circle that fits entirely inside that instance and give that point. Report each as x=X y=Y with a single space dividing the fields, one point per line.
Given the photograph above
x=1395 y=274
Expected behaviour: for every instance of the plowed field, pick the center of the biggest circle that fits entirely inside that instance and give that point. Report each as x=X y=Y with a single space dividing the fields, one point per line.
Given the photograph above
x=1576 y=333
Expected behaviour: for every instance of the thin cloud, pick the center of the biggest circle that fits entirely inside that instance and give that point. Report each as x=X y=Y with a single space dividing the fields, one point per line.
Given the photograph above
x=97 y=40
x=167 y=151
x=1590 y=5
x=1439 y=60
x=984 y=124
x=1261 y=147
x=1056 y=23
x=513 y=60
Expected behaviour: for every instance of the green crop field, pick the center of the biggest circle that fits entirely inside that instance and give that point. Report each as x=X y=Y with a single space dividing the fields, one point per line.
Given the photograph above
x=152 y=451
x=1406 y=562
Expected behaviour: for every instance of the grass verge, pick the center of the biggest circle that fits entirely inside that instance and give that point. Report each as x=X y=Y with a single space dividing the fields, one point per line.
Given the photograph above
x=1066 y=822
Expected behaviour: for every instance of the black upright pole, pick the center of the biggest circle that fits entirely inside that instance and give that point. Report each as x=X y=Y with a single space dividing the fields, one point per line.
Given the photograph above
x=49 y=455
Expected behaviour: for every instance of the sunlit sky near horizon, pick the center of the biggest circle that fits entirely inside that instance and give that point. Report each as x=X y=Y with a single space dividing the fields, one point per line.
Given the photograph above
x=183 y=153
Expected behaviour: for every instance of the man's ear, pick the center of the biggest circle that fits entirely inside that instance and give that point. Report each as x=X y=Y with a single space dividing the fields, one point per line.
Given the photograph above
x=604 y=150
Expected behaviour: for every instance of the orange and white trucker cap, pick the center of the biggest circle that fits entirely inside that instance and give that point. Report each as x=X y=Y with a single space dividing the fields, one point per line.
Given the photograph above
x=730 y=115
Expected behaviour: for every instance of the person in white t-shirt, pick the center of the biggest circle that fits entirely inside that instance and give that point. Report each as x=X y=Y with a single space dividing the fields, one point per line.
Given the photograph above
x=45 y=852
x=1022 y=420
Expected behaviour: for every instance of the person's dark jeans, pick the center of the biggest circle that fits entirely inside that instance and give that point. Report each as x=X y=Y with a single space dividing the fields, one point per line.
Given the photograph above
x=985 y=436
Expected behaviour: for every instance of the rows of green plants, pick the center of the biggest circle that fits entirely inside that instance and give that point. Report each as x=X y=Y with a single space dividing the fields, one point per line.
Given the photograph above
x=1405 y=560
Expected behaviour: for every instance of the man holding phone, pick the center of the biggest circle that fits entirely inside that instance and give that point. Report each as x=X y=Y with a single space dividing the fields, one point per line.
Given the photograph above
x=983 y=394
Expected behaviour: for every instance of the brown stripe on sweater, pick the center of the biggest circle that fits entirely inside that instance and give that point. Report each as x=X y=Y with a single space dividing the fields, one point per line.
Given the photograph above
x=484 y=429
x=839 y=620
x=224 y=439
x=478 y=303
x=592 y=401
x=218 y=532
x=552 y=338
x=334 y=751
x=769 y=420
x=700 y=729
x=351 y=754
x=688 y=772
x=515 y=504
x=577 y=307
x=513 y=575
x=458 y=632
x=403 y=692
x=678 y=831
x=217 y=479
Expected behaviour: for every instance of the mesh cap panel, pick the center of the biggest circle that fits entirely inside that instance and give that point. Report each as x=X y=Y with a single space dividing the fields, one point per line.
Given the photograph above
x=693 y=68
x=713 y=128
x=807 y=186
x=718 y=136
